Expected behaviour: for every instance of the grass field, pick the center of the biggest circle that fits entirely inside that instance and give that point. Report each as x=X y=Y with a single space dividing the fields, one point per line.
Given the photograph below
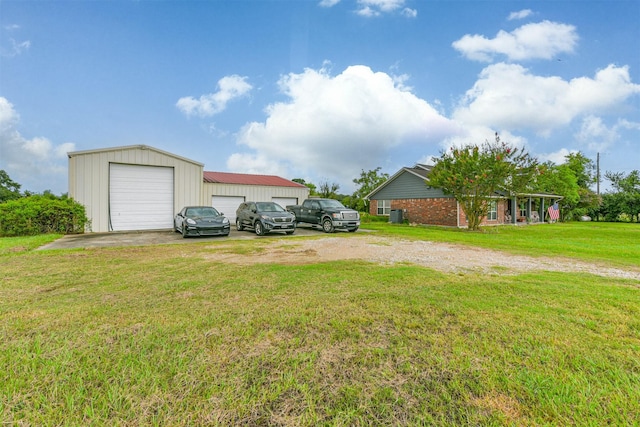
x=164 y=335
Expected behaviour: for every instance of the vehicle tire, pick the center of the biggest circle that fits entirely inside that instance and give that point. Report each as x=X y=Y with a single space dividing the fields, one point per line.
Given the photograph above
x=239 y=226
x=290 y=232
x=327 y=225
x=259 y=228
x=184 y=231
x=175 y=229
x=353 y=230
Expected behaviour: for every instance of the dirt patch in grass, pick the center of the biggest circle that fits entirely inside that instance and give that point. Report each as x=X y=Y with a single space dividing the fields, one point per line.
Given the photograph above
x=449 y=258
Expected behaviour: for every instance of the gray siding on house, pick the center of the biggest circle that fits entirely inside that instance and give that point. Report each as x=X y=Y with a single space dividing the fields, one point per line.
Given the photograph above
x=407 y=186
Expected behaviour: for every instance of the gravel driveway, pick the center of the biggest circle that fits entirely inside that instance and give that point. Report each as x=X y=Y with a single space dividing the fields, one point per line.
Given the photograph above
x=439 y=256
x=361 y=245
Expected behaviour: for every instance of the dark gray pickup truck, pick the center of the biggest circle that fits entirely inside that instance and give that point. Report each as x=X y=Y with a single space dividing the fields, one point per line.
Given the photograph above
x=330 y=214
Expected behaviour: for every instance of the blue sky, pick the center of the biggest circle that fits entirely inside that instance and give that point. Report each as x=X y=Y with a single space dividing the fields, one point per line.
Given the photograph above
x=318 y=90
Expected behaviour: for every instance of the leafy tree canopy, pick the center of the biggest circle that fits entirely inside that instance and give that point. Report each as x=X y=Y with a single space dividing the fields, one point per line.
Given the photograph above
x=9 y=189
x=310 y=186
x=473 y=174
x=328 y=190
x=367 y=182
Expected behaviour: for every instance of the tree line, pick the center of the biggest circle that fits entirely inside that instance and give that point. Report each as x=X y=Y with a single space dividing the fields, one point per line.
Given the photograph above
x=474 y=174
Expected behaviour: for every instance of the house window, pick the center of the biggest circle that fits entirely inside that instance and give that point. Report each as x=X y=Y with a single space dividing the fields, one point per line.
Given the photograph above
x=492 y=213
x=384 y=207
x=523 y=209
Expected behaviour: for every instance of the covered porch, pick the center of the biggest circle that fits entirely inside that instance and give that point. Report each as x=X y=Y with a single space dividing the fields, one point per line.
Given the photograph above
x=529 y=208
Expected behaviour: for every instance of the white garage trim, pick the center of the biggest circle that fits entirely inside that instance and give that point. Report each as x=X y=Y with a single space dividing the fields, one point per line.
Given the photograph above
x=140 y=197
x=284 y=201
x=227 y=205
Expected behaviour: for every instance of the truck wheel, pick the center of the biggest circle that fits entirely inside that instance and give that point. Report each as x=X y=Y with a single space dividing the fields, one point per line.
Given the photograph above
x=353 y=230
x=239 y=226
x=327 y=225
x=259 y=228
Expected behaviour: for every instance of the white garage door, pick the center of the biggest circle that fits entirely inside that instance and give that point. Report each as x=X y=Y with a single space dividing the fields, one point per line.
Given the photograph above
x=227 y=205
x=140 y=197
x=285 y=201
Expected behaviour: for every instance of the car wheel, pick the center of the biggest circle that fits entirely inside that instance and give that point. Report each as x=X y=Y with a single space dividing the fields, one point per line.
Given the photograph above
x=239 y=226
x=290 y=232
x=327 y=225
x=353 y=230
x=184 y=231
x=259 y=228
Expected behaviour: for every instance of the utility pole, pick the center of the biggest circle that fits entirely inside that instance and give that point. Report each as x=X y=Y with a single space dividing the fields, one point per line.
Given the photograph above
x=598 y=174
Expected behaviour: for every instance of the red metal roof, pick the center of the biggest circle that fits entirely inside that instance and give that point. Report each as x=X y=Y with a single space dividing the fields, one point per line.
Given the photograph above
x=248 y=179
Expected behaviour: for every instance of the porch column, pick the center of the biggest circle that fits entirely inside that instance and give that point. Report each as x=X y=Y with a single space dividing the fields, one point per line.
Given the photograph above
x=515 y=210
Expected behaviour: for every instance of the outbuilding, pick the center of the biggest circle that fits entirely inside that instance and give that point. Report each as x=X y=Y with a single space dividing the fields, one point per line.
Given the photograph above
x=142 y=188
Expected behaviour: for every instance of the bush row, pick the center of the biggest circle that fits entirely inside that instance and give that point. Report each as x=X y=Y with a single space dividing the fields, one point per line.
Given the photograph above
x=41 y=214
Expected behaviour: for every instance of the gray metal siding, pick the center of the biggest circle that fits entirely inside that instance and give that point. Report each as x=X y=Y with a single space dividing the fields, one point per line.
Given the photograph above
x=407 y=186
x=253 y=193
x=89 y=178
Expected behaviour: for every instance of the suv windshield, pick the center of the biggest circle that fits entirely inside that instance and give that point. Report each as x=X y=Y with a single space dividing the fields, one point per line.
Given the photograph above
x=269 y=207
x=331 y=204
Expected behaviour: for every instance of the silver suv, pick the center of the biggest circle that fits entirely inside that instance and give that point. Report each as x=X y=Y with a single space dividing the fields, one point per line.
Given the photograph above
x=264 y=217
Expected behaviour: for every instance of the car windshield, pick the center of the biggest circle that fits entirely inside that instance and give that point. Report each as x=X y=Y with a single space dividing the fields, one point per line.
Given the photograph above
x=331 y=204
x=269 y=207
x=202 y=212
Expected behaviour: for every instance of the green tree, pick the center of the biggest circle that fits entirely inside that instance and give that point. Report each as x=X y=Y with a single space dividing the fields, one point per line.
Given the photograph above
x=473 y=174
x=560 y=180
x=328 y=191
x=310 y=186
x=583 y=170
x=368 y=181
x=625 y=199
x=9 y=190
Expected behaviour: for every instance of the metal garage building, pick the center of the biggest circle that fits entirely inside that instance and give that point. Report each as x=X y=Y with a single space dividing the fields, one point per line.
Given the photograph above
x=142 y=188
x=225 y=191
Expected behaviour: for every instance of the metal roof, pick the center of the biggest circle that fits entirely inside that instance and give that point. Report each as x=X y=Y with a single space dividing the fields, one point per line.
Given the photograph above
x=131 y=147
x=248 y=179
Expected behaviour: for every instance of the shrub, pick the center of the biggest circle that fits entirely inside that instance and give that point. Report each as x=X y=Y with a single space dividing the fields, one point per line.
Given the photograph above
x=367 y=217
x=42 y=214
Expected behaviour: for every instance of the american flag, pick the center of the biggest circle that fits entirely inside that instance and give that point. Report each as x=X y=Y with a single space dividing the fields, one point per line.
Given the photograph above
x=554 y=212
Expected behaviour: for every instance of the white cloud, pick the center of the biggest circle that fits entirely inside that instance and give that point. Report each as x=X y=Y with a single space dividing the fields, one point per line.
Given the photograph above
x=337 y=125
x=34 y=161
x=520 y=14
x=371 y=8
x=409 y=13
x=16 y=48
x=596 y=136
x=543 y=40
x=230 y=88
x=328 y=3
x=557 y=157
x=508 y=96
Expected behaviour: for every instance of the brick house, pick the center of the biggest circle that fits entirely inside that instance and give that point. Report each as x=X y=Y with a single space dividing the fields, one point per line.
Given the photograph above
x=408 y=192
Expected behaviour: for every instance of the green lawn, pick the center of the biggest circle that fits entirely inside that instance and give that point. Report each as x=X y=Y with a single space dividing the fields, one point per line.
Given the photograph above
x=166 y=335
x=616 y=244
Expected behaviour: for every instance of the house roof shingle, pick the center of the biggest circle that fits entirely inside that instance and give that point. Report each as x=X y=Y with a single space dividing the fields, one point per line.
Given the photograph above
x=248 y=179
